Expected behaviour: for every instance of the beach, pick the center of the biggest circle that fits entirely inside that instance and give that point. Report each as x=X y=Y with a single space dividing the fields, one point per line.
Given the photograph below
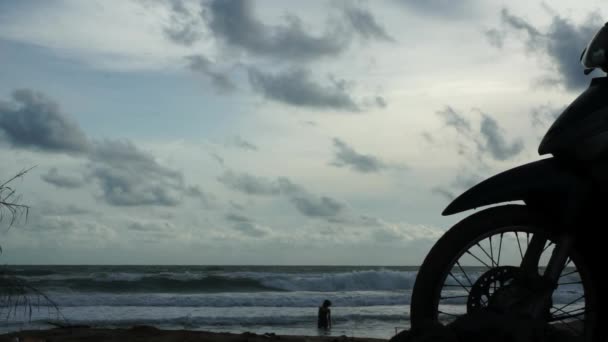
x=367 y=301
x=151 y=334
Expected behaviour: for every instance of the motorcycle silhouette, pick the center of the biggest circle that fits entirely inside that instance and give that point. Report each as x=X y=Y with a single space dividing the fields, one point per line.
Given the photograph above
x=540 y=261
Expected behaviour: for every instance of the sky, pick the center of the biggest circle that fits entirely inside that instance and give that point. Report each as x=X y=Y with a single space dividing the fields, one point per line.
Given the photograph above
x=270 y=132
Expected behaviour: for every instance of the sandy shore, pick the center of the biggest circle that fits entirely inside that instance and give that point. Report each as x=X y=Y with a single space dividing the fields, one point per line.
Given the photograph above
x=151 y=334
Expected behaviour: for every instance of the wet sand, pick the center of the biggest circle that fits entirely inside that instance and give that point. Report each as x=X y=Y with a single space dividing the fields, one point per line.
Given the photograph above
x=151 y=334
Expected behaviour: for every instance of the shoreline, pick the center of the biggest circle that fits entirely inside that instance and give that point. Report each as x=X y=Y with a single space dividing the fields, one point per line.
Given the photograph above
x=148 y=333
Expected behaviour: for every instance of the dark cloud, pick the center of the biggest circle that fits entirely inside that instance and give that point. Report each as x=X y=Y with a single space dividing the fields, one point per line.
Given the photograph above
x=249 y=184
x=234 y=23
x=204 y=66
x=454 y=119
x=495 y=37
x=208 y=199
x=442 y=8
x=183 y=29
x=244 y=144
x=495 y=143
x=560 y=45
x=236 y=205
x=324 y=207
x=61 y=181
x=295 y=87
x=306 y=203
x=381 y=102
x=246 y=226
x=128 y=176
x=346 y=156
x=152 y=232
x=217 y=158
x=364 y=24
x=35 y=122
x=488 y=140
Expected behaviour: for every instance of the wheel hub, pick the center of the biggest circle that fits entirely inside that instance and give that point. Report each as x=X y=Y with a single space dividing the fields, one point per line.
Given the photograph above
x=485 y=289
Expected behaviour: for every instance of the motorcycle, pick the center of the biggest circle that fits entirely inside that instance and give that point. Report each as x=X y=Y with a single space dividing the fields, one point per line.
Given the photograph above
x=540 y=259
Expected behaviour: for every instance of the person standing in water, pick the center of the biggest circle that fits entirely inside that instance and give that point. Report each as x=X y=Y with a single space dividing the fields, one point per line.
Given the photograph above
x=324 y=317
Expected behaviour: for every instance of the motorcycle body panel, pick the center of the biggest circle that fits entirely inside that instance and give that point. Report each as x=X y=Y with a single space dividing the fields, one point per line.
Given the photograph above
x=544 y=183
x=580 y=133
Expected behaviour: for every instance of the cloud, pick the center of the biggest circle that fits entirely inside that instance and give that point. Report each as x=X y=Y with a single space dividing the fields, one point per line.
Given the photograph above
x=217 y=158
x=306 y=203
x=202 y=65
x=496 y=144
x=545 y=115
x=246 y=226
x=33 y=121
x=442 y=8
x=465 y=180
x=381 y=102
x=495 y=37
x=455 y=120
x=208 y=199
x=560 y=45
x=488 y=140
x=152 y=231
x=248 y=184
x=382 y=231
x=184 y=27
x=310 y=206
x=234 y=23
x=295 y=87
x=61 y=181
x=45 y=208
x=130 y=177
x=236 y=205
x=345 y=155
x=244 y=144
x=364 y=24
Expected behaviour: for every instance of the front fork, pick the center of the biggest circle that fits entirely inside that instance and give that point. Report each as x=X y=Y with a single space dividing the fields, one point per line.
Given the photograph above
x=542 y=286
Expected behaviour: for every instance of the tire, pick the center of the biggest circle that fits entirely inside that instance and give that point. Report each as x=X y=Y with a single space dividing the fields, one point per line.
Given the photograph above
x=438 y=264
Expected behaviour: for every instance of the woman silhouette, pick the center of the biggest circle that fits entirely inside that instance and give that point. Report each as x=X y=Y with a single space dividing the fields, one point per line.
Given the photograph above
x=324 y=317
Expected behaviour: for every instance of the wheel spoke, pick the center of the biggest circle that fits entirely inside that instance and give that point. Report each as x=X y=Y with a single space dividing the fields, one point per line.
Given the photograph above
x=453 y=297
x=567 y=305
x=568 y=314
x=563 y=318
x=474 y=256
x=569 y=273
x=486 y=253
x=500 y=247
x=459 y=283
x=571 y=283
x=519 y=245
x=465 y=273
x=492 y=250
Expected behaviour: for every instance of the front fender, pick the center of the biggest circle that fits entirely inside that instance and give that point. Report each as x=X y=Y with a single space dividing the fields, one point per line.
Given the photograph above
x=545 y=179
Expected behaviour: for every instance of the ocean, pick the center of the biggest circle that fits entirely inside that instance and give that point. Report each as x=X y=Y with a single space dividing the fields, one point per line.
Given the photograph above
x=370 y=301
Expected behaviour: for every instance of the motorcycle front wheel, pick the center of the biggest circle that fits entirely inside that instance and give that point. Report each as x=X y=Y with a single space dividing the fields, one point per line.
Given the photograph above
x=482 y=254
